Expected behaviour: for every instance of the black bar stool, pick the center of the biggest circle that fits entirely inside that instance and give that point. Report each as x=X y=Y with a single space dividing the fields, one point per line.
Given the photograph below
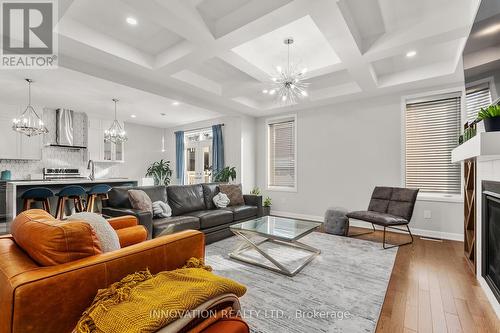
x=96 y=192
x=37 y=194
x=71 y=192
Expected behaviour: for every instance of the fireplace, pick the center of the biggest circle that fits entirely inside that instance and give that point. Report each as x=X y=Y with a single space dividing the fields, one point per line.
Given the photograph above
x=491 y=236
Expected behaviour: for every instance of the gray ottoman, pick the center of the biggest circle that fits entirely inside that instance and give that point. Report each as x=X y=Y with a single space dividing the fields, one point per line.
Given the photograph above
x=336 y=221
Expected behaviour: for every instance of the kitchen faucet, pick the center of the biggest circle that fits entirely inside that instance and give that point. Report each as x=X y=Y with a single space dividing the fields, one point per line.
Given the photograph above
x=91 y=167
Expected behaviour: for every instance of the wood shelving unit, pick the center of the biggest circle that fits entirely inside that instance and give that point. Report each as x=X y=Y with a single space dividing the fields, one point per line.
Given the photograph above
x=470 y=213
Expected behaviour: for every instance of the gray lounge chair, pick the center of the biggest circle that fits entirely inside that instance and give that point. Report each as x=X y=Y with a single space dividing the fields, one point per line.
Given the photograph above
x=389 y=207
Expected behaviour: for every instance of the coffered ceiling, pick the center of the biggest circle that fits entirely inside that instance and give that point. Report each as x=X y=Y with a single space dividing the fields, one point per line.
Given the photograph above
x=218 y=54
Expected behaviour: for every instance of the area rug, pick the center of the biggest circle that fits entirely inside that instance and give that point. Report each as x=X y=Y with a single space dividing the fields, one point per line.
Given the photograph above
x=342 y=290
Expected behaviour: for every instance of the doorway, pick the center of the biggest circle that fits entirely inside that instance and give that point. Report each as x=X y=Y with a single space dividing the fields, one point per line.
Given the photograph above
x=198 y=157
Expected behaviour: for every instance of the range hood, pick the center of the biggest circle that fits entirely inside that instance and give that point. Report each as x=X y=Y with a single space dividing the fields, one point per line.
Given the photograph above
x=70 y=129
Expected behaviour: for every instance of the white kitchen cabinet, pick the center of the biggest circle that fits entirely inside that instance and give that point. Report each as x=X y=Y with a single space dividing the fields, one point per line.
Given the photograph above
x=99 y=149
x=14 y=145
x=9 y=145
x=95 y=137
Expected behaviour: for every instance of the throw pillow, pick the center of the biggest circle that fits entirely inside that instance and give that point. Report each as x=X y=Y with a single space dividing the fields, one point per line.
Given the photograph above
x=221 y=200
x=104 y=231
x=234 y=194
x=51 y=242
x=140 y=200
x=161 y=209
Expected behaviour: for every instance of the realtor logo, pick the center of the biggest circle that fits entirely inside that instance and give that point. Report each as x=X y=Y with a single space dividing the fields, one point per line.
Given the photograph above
x=28 y=38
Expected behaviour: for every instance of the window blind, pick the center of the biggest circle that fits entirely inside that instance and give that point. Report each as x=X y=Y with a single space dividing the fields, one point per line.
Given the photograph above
x=476 y=98
x=282 y=154
x=432 y=130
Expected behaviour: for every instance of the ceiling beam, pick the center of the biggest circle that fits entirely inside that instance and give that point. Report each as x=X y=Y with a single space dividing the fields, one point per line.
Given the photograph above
x=328 y=16
x=176 y=16
x=235 y=60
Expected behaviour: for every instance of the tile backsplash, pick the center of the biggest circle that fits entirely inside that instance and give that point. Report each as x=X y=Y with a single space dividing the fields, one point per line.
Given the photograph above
x=56 y=157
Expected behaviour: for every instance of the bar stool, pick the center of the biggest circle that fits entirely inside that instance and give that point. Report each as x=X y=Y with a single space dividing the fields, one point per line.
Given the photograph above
x=96 y=192
x=71 y=192
x=37 y=194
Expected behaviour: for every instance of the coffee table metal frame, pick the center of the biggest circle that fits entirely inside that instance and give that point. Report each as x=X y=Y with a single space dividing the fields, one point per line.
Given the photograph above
x=247 y=244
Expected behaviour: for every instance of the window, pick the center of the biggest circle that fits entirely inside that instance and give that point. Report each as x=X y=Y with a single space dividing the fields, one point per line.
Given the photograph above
x=432 y=130
x=477 y=97
x=282 y=151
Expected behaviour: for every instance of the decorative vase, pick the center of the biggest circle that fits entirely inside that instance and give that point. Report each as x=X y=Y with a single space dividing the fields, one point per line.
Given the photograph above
x=266 y=210
x=6 y=175
x=492 y=124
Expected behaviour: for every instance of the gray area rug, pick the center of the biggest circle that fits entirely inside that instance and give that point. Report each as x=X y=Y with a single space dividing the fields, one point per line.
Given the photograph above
x=342 y=290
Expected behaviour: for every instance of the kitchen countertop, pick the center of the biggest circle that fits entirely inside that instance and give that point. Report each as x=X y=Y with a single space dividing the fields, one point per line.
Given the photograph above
x=69 y=181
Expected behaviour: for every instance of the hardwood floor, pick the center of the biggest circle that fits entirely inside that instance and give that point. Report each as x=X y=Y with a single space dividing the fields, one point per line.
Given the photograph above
x=432 y=290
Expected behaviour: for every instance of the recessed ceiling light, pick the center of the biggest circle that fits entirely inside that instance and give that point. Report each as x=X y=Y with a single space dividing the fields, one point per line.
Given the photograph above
x=133 y=116
x=175 y=103
x=131 y=21
x=492 y=29
x=411 y=54
x=264 y=91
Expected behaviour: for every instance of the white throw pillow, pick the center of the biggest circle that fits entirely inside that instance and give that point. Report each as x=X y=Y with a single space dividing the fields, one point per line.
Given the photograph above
x=221 y=200
x=105 y=233
x=161 y=209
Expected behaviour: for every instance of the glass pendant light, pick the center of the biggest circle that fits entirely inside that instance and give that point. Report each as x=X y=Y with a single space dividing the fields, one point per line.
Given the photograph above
x=29 y=123
x=115 y=134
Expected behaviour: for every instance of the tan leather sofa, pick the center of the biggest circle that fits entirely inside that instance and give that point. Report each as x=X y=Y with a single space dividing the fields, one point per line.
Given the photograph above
x=51 y=299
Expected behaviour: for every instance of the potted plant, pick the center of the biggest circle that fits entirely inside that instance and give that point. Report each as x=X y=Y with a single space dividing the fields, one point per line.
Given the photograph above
x=491 y=118
x=267 y=206
x=160 y=171
x=224 y=175
x=255 y=191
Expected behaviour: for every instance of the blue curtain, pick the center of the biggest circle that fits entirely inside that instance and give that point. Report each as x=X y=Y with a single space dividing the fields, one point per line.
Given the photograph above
x=179 y=156
x=217 y=149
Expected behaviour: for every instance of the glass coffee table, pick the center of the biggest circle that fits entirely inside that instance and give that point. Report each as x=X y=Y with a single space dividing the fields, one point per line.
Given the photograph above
x=278 y=230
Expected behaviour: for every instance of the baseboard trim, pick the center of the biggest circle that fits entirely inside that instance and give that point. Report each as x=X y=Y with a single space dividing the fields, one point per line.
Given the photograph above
x=361 y=224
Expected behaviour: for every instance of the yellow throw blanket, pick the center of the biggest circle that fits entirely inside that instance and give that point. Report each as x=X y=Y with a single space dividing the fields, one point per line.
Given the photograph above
x=142 y=302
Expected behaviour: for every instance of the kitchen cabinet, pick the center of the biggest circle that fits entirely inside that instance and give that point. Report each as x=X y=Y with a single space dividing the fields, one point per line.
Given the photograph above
x=99 y=149
x=14 y=145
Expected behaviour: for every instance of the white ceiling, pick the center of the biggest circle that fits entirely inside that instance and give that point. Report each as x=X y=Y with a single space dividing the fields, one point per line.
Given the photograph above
x=310 y=48
x=215 y=55
x=64 y=88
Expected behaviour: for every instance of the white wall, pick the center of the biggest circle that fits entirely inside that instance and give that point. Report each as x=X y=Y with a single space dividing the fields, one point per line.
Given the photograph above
x=144 y=146
x=248 y=157
x=238 y=134
x=343 y=152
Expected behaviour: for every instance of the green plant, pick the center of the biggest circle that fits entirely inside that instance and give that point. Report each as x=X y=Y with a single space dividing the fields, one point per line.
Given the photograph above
x=224 y=175
x=160 y=171
x=268 y=202
x=491 y=111
x=255 y=191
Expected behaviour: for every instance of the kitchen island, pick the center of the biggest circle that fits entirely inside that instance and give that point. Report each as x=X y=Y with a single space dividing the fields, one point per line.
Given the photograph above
x=15 y=189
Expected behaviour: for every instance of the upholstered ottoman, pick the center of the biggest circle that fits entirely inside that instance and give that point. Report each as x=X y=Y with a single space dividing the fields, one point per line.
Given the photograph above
x=336 y=221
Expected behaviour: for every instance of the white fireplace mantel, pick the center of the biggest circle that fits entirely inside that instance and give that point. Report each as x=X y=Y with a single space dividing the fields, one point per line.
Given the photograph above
x=483 y=147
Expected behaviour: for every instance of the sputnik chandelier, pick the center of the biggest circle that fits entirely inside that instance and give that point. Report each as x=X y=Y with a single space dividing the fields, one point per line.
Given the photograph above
x=288 y=83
